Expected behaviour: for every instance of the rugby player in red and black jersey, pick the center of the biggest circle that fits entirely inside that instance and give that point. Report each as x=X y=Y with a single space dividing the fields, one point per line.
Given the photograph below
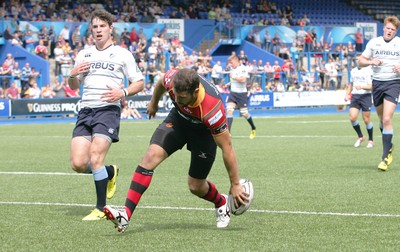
x=198 y=120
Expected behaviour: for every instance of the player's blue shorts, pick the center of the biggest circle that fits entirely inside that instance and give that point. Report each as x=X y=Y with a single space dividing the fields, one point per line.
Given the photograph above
x=104 y=121
x=174 y=132
x=388 y=90
x=240 y=99
x=361 y=101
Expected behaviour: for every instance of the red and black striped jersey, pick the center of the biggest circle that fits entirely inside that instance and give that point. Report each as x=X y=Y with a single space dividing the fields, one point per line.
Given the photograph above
x=208 y=110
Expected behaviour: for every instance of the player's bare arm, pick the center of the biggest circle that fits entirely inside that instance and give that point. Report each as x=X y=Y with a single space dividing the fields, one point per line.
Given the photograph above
x=152 y=106
x=364 y=62
x=81 y=68
x=115 y=94
x=229 y=156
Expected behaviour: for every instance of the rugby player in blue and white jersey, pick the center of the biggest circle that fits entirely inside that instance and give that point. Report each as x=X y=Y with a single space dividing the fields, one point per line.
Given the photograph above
x=359 y=93
x=383 y=54
x=238 y=94
x=101 y=70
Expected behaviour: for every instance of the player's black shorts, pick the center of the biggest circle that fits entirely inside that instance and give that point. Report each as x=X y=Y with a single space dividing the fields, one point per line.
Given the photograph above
x=389 y=90
x=174 y=132
x=361 y=101
x=239 y=98
x=104 y=120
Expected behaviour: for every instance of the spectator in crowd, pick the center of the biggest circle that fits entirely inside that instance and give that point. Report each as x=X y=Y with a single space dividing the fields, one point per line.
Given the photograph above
x=133 y=36
x=125 y=36
x=48 y=91
x=267 y=41
x=29 y=41
x=359 y=40
x=16 y=41
x=66 y=65
x=216 y=73
x=8 y=35
x=34 y=91
x=331 y=74
x=69 y=92
x=25 y=76
x=65 y=33
x=76 y=37
x=41 y=50
x=13 y=92
x=130 y=113
x=5 y=75
x=269 y=72
x=16 y=73
x=58 y=54
x=276 y=44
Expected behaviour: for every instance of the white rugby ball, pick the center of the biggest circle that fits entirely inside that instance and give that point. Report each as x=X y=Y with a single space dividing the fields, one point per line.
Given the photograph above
x=248 y=188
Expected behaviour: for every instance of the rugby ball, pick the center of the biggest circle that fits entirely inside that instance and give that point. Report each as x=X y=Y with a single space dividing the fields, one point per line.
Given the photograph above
x=248 y=188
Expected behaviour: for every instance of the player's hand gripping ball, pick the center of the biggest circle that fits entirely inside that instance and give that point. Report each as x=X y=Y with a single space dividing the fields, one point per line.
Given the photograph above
x=248 y=188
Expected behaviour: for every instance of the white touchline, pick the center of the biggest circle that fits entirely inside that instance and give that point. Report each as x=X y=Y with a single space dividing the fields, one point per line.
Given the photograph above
x=210 y=209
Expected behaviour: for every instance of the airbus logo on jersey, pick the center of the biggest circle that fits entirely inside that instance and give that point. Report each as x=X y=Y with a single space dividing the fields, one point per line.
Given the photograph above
x=387 y=53
x=102 y=65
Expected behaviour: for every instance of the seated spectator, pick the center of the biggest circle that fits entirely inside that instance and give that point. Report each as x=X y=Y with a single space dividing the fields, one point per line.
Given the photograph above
x=69 y=92
x=130 y=113
x=34 y=91
x=48 y=92
x=13 y=92
x=256 y=88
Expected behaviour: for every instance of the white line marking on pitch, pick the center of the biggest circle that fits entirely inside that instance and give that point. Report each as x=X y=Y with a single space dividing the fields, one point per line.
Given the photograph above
x=45 y=173
x=209 y=209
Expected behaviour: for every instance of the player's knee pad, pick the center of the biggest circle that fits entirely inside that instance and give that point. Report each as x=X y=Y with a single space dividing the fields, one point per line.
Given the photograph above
x=243 y=111
x=230 y=109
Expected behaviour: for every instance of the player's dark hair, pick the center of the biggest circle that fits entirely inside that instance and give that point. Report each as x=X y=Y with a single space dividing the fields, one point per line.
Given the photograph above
x=102 y=15
x=186 y=80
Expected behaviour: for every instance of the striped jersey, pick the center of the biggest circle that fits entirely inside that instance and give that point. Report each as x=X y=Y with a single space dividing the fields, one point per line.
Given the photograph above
x=108 y=67
x=236 y=86
x=208 y=110
x=388 y=52
x=361 y=77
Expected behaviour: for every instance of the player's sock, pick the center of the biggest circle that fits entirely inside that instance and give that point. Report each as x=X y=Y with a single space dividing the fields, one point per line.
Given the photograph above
x=356 y=127
x=141 y=180
x=230 y=121
x=214 y=196
x=100 y=181
x=370 y=129
x=381 y=127
x=110 y=171
x=250 y=121
x=387 y=136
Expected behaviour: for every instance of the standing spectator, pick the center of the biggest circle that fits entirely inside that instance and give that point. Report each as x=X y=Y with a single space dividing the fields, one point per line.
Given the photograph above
x=58 y=53
x=16 y=73
x=133 y=36
x=277 y=72
x=5 y=74
x=359 y=40
x=41 y=50
x=25 y=76
x=385 y=81
x=65 y=33
x=276 y=44
x=269 y=73
x=267 y=42
x=52 y=40
x=76 y=37
x=216 y=73
x=66 y=65
x=331 y=74
x=29 y=42
x=125 y=36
